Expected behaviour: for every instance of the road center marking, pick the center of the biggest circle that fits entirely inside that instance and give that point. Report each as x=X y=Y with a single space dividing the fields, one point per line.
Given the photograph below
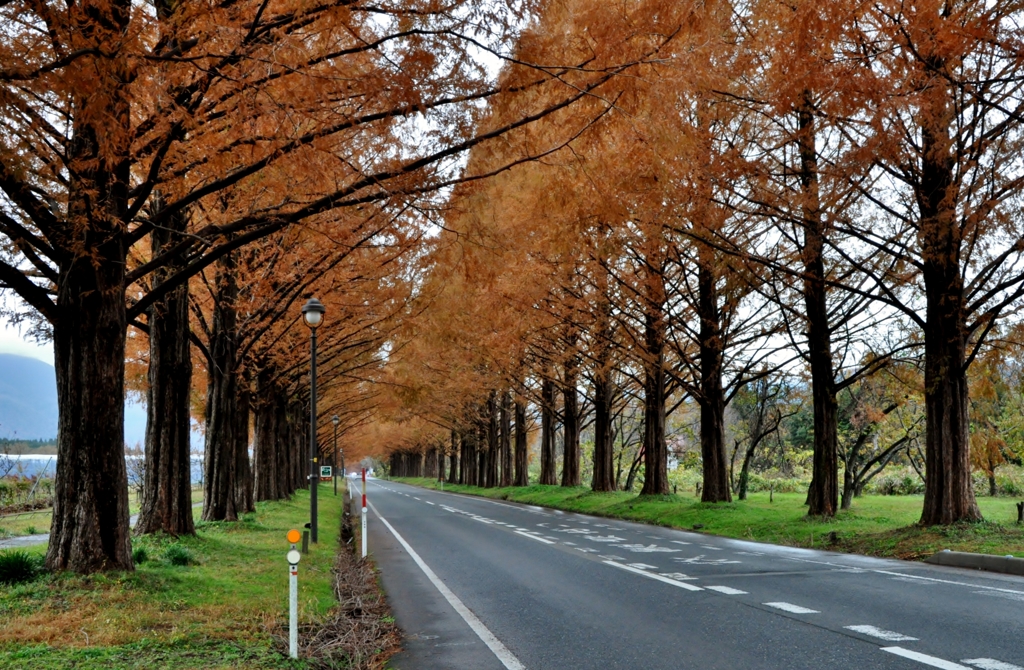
x=791 y=608
x=887 y=635
x=494 y=644
x=727 y=590
x=925 y=658
x=682 y=585
x=533 y=537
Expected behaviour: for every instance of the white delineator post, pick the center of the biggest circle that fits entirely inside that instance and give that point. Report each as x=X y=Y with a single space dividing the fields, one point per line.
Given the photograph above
x=293 y=599
x=364 y=513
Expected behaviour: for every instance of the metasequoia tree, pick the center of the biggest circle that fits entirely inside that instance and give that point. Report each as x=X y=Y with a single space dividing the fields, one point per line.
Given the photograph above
x=949 y=185
x=802 y=175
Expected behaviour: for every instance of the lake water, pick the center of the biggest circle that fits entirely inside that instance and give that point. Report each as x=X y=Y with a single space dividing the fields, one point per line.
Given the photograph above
x=30 y=466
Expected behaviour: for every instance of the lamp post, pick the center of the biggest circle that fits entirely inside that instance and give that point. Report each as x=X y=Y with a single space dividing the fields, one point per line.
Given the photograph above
x=335 y=420
x=313 y=315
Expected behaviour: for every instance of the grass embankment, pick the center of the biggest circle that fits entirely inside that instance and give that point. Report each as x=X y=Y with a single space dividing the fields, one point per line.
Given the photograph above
x=31 y=523
x=875 y=526
x=219 y=612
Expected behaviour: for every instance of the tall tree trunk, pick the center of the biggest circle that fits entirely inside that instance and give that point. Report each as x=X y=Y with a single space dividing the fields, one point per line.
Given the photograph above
x=745 y=471
x=265 y=438
x=167 y=494
x=89 y=530
x=243 y=466
x=506 y=438
x=823 y=495
x=430 y=469
x=481 y=447
x=453 y=461
x=604 y=468
x=547 y=433
x=285 y=448
x=522 y=476
x=219 y=495
x=847 y=499
x=948 y=494
x=571 y=426
x=655 y=449
x=711 y=397
x=301 y=465
x=634 y=467
x=297 y=442
x=493 y=440
x=467 y=458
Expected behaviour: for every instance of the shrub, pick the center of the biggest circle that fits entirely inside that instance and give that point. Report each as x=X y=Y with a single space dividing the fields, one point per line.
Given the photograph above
x=139 y=555
x=18 y=566
x=760 y=483
x=176 y=554
x=31 y=530
x=898 y=483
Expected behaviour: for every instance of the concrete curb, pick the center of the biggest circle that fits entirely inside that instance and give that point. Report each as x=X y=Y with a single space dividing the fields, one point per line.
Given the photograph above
x=961 y=559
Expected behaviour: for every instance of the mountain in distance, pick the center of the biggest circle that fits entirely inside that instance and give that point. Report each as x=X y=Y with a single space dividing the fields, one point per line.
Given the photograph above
x=28 y=403
x=28 y=398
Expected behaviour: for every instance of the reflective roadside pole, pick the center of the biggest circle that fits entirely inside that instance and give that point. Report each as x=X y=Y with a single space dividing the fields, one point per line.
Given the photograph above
x=293 y=594
x=364 y=513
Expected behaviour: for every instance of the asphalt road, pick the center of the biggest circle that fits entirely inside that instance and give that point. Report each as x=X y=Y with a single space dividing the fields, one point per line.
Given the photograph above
x=541 y=589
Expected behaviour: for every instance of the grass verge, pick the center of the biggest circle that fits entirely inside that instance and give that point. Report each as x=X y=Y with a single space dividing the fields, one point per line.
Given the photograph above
x=225 y=609
x=38 y=521
x=875 y=526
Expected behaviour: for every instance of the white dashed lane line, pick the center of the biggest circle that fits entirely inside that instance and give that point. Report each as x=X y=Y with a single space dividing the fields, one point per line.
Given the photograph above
x=533 y=537
x=727 y=590
x=651 y=575
x=932 y=661
x=791 y=608
x=887 y=635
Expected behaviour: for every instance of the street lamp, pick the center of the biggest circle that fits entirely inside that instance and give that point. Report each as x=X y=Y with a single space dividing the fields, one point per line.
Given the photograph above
x=335 y=420
x=313 y=315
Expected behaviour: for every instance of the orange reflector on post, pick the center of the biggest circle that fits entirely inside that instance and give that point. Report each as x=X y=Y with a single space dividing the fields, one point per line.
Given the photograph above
x=294 y=536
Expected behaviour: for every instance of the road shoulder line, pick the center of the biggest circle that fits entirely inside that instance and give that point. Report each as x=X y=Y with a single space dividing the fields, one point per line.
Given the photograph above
x=506 y=657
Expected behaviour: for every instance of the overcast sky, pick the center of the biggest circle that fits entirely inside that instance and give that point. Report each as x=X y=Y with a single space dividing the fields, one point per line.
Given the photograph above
x=11 y=342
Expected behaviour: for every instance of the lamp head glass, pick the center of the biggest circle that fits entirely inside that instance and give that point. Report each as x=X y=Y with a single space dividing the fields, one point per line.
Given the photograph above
x=313 y=312
x=335 y=419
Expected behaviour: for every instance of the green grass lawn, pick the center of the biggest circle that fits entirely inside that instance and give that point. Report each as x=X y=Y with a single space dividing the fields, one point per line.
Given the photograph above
x=220 y=612
x=876 y=525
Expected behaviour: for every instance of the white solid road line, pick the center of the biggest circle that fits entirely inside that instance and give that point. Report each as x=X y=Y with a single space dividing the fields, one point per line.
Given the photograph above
x=945 y=581
x=933 y=661
x=727 y=590
x=791 y=608
x=887 y=635
x=534 y=537
x=494 y=644
x=990 y=664
x=651 y=575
